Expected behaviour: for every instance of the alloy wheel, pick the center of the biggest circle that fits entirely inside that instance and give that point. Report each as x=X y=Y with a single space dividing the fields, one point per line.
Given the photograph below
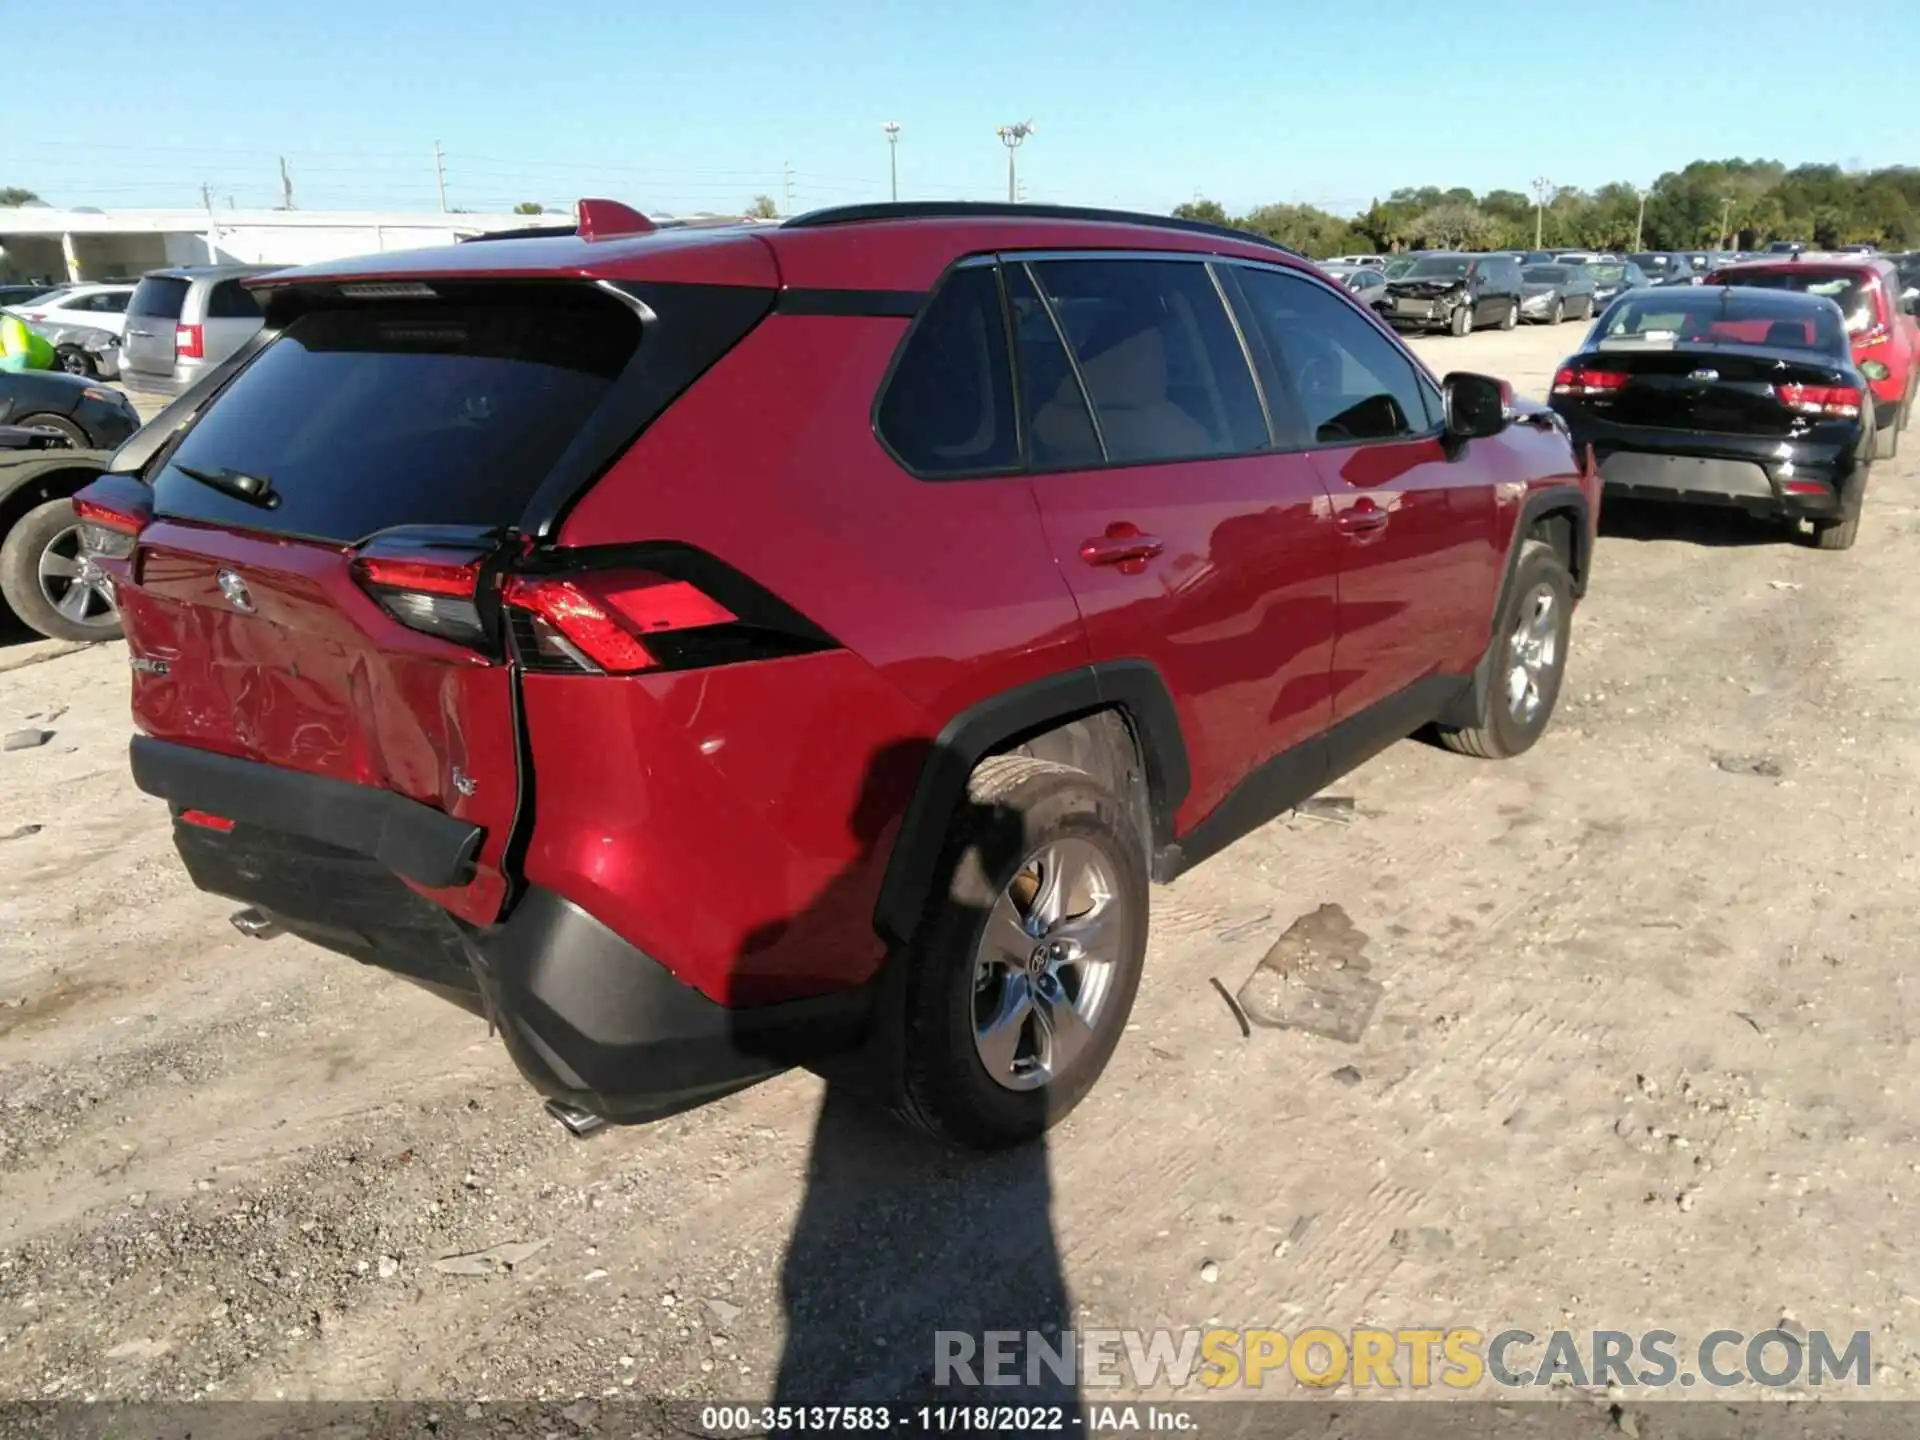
x=74 y=585
x=1533 y=652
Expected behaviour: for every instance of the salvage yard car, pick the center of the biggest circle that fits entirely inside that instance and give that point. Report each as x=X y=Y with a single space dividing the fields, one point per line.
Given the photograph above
x=1455 y=292
x=1726 y=396
x=56 y=432
x=725 y=648
x=1552 y=293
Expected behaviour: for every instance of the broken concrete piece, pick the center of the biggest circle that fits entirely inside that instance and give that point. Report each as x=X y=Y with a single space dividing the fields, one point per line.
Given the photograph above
x=1314 y=978
x=494 y=1260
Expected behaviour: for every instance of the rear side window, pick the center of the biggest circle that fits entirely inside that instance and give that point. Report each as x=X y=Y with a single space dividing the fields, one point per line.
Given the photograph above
x=231 y=300
x=1059 y=426
x=1161 y=362
x=948 y=410
x=448 y=414
x=160 y=296
x=1350 y=382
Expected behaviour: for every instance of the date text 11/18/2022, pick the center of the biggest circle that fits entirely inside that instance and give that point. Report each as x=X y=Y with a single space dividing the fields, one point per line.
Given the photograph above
x=1118 y=1418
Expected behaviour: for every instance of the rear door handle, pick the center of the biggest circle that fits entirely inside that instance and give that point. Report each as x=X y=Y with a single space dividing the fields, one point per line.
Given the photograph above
x=1364 y=518
x=1125 y=545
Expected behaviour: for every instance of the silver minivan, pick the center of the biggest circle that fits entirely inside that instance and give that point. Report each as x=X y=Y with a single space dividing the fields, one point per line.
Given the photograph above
x=182 y=321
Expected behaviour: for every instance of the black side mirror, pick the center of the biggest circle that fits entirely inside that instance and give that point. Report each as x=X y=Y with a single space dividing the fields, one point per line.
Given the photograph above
x=1476 y=405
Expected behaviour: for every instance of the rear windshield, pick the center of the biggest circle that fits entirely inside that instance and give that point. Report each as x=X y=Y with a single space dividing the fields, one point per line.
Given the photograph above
x=1845 y=288
x=161 y=296
x=1724 y=317
x=1545 y=275
x=442 y=414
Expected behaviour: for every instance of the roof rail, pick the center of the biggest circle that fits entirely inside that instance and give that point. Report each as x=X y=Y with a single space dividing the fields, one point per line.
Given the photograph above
x=1003 y=210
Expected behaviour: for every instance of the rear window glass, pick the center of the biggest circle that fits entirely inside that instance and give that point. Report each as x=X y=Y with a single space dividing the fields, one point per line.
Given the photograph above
x=1724 y=317
x=361 y=420
x=1845 y=288
x=161 y=296
x=231 y=300
x=949 y=407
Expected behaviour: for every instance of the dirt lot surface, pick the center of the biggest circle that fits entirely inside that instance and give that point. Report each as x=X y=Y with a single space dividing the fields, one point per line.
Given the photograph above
x=1645 y=1060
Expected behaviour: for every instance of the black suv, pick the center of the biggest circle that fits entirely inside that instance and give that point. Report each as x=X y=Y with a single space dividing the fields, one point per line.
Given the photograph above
x=1446 y=291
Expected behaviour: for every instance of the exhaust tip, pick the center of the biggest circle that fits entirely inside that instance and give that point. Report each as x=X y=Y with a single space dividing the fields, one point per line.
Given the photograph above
x=577 y=1122
x=254 y=924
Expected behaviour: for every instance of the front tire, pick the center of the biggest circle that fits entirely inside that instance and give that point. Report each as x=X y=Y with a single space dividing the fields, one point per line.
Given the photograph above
x=1559 y=311
x=49 y=583
x=1026 y=964
x=1528 y=658
x=1462 y=321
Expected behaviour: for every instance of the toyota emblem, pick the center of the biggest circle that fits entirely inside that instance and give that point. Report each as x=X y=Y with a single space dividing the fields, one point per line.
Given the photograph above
x=235 y=589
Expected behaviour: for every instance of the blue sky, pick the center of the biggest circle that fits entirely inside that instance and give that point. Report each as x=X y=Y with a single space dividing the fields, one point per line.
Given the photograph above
x=1138 y=104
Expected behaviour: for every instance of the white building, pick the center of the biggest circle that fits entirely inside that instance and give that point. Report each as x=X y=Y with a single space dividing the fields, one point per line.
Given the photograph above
x=39 y=242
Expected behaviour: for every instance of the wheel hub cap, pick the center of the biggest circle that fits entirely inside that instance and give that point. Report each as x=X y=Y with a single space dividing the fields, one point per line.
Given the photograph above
x=1533 y=650
x=1045 y=965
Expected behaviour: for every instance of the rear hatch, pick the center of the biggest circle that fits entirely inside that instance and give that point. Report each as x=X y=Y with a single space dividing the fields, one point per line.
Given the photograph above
x=153 y=313
x=1714 y=389
x=318 y=588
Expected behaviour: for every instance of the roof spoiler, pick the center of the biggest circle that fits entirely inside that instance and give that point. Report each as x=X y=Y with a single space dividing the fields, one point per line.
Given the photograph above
x=598 y=220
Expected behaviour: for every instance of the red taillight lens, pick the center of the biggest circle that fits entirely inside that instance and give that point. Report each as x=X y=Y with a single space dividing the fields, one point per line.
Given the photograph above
x=434 y=596
x=1836 y=402
x=207 y=821
x=595 y=622
x=1573 y=380
x=189 y=342
x=106 y=530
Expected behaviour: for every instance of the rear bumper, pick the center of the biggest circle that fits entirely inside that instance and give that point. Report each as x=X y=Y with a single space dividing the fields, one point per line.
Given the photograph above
x=1803 y=479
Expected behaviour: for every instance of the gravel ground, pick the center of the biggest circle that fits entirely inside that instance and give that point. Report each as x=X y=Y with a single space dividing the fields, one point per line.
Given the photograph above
x=1645 y=1060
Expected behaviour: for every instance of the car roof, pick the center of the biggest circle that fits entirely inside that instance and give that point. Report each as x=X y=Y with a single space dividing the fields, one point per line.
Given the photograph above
x=1811 y=261
x=870 y=247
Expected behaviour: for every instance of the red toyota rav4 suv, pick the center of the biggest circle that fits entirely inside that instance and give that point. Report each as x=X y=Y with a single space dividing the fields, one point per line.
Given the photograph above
x=709 y=650
x=1881 y=325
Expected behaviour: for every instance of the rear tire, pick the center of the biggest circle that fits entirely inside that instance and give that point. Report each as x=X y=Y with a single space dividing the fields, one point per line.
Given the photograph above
x=1027 y=823
x=76 y=361
x=1840 y=534
x=1886 y=439
x=1527 y=659
x=1559 y=311
x=1512 y=317
x=1462 y=321
x=75 y=435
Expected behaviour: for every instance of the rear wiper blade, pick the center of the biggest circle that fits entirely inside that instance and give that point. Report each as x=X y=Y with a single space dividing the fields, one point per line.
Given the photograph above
x=254 y=489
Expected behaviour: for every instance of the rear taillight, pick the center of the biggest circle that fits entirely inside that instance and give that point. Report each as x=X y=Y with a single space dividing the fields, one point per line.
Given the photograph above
x=1837 y=402
x=588 y=623
x=432 y=595
x=190 y=342
x=112 y=512
x=1576 y=380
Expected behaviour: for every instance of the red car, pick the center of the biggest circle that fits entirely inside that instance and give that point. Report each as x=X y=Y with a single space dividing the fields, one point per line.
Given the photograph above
x=1885 y=334
x=702 y=651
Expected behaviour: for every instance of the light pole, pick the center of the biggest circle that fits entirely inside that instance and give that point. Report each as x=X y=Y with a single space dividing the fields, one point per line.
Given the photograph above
x=1640 y=222
x=1726 y=217
x=892 y=131
x=1542 y=193
x=1011 y=136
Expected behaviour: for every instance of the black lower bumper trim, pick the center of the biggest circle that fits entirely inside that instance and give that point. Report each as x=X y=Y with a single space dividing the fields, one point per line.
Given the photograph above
x=595 y=1022
x=409 y=838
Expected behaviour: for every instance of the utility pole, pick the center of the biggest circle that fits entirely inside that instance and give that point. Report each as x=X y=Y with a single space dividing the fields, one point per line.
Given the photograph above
x=892 y=131
x=786 y=181
x=1542 y=195
x=440 y=173
x=1011 y=136
x=1640 y=223
x=206 y=196
x=1726 y=218
x=286 y=185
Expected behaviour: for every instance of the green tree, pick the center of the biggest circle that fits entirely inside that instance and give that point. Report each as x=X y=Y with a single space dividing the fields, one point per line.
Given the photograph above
x=1211 y=211
x=529 y=207
x=763 y=208
x=1452 y=226
x=13 y=195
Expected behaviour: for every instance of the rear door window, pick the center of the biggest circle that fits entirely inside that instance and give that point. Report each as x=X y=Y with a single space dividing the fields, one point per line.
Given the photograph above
x=1159 y=358
x=413 y=414
x=159 y=296
x=1059 y=426
x=948 y=409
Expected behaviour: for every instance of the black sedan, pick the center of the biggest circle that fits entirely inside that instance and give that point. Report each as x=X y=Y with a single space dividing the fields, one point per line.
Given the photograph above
x=1725 y=395
x=90 y=416
x=1552 y=293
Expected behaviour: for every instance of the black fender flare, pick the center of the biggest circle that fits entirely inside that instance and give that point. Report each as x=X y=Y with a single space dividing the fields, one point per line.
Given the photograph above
x=1133 y=687
x=1465 y=711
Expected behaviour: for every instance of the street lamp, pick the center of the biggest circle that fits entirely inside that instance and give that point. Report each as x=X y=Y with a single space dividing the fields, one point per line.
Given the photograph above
x=1011 y=136
x=1543 y=193
x=892 y=131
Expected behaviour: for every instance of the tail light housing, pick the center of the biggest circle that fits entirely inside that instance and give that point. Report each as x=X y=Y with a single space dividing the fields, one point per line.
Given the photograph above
x=603 y=622
x=190 y=342
x=112 y=512
x=1579 y=380
x=436 y=594
x=1829 y=402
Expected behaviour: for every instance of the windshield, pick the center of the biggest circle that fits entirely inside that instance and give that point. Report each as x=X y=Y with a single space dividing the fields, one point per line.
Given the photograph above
x=1545 y=274
x=1438 y=267
x=1607 y=274
x=1397 y=268
x=1724 y=317
x=1649 y=262
x=1848 y=290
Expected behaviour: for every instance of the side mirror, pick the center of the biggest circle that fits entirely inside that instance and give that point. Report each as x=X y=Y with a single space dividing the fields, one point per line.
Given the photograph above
x=1476 y=405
